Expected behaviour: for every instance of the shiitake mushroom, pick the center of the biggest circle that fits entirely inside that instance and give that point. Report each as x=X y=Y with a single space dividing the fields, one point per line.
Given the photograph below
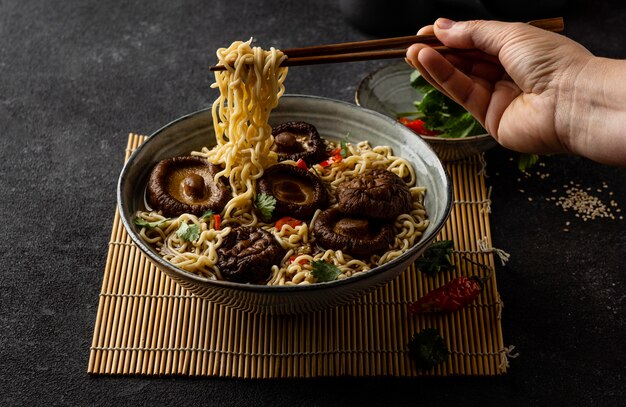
x=186 y=185
x=298 y=140
x=298 y=192
x=247 y=254
x=358 y=236
x=376 y=194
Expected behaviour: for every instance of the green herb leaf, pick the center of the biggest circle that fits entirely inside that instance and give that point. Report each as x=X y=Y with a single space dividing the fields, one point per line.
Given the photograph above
x=206 y=215
x=144 y=223
x=265 y=204
x=525 y=161
x=324 y=271
x=441 y=113
x=190 y=233
x=462 y=126
x=436 y=257
x=427 y=349
x=344 y=149
x=412 y=115
x=420 y=83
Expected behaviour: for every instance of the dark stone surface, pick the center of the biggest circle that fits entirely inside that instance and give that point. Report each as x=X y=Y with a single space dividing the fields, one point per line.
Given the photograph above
x=77 y=76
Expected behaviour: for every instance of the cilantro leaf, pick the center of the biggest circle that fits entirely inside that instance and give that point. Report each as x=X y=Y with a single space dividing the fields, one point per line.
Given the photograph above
x=525 y=161
x=206 y=215
x=144 y=223
x=440 y=113
x=265 y=204
x=187 y=232
x=463 y=126
x=427 y=349
x=419 y=83
x=436 y=257
x=344 y=149
x=324 y=271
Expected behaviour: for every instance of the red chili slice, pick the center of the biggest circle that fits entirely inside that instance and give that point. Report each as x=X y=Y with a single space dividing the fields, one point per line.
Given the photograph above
x=218 y=221
x=418 y=126
x=302 y=164
x=287 y=220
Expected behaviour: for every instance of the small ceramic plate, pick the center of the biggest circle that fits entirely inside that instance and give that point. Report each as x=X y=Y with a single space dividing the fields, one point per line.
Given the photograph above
x=388 y=91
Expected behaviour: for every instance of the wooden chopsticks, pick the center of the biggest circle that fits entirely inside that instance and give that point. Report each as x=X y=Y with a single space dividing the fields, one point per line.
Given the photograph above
x=386 y=48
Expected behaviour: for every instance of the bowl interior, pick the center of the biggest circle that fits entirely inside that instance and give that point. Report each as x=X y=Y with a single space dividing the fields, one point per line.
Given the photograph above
x=333 y=119
x=388 y=90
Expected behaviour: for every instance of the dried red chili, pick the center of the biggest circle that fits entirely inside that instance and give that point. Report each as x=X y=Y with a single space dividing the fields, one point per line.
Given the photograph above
x=452 y=296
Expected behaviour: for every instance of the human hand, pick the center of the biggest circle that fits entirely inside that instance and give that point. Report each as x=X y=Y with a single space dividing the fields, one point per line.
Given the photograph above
x=523 y=84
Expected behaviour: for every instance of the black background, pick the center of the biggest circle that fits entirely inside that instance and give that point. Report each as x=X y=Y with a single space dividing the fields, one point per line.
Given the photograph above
x=77 y=76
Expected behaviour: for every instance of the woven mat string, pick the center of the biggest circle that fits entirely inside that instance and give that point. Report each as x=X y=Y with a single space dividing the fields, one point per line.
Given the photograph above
x=483 y=166
x=485 y=247
x=506 y=353
x=485 y=203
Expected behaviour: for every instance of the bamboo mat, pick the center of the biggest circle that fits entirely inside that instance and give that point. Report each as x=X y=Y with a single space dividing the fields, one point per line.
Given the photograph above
x=148 y=325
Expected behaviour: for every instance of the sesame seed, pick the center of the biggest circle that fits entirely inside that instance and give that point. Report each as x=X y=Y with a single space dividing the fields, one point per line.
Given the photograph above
x=585 y=205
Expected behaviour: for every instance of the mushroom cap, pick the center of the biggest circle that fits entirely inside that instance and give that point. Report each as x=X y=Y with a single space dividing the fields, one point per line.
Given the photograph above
x=377 y=194
x=298 y=192
x=357 y=236
x=247 y=255
x=298 y=140
x=185 y=185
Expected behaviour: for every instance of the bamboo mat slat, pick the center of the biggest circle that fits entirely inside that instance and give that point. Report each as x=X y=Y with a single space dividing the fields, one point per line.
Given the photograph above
x=147 y=324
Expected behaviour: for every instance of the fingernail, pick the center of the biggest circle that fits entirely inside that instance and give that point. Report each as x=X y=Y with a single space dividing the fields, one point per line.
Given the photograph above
x=444 y=23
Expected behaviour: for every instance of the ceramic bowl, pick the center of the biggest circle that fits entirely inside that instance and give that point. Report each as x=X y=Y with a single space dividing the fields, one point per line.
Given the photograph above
x=388 y=91
x=334 y=120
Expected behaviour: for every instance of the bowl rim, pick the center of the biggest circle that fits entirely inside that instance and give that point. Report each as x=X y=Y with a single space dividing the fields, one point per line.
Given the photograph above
x=435 y=139
x=276 y=289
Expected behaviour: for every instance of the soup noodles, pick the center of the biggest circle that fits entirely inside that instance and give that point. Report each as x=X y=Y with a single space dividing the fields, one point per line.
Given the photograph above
x=250 y=88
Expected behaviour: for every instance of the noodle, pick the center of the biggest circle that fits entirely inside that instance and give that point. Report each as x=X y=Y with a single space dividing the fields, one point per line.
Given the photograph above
x=250 y=88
